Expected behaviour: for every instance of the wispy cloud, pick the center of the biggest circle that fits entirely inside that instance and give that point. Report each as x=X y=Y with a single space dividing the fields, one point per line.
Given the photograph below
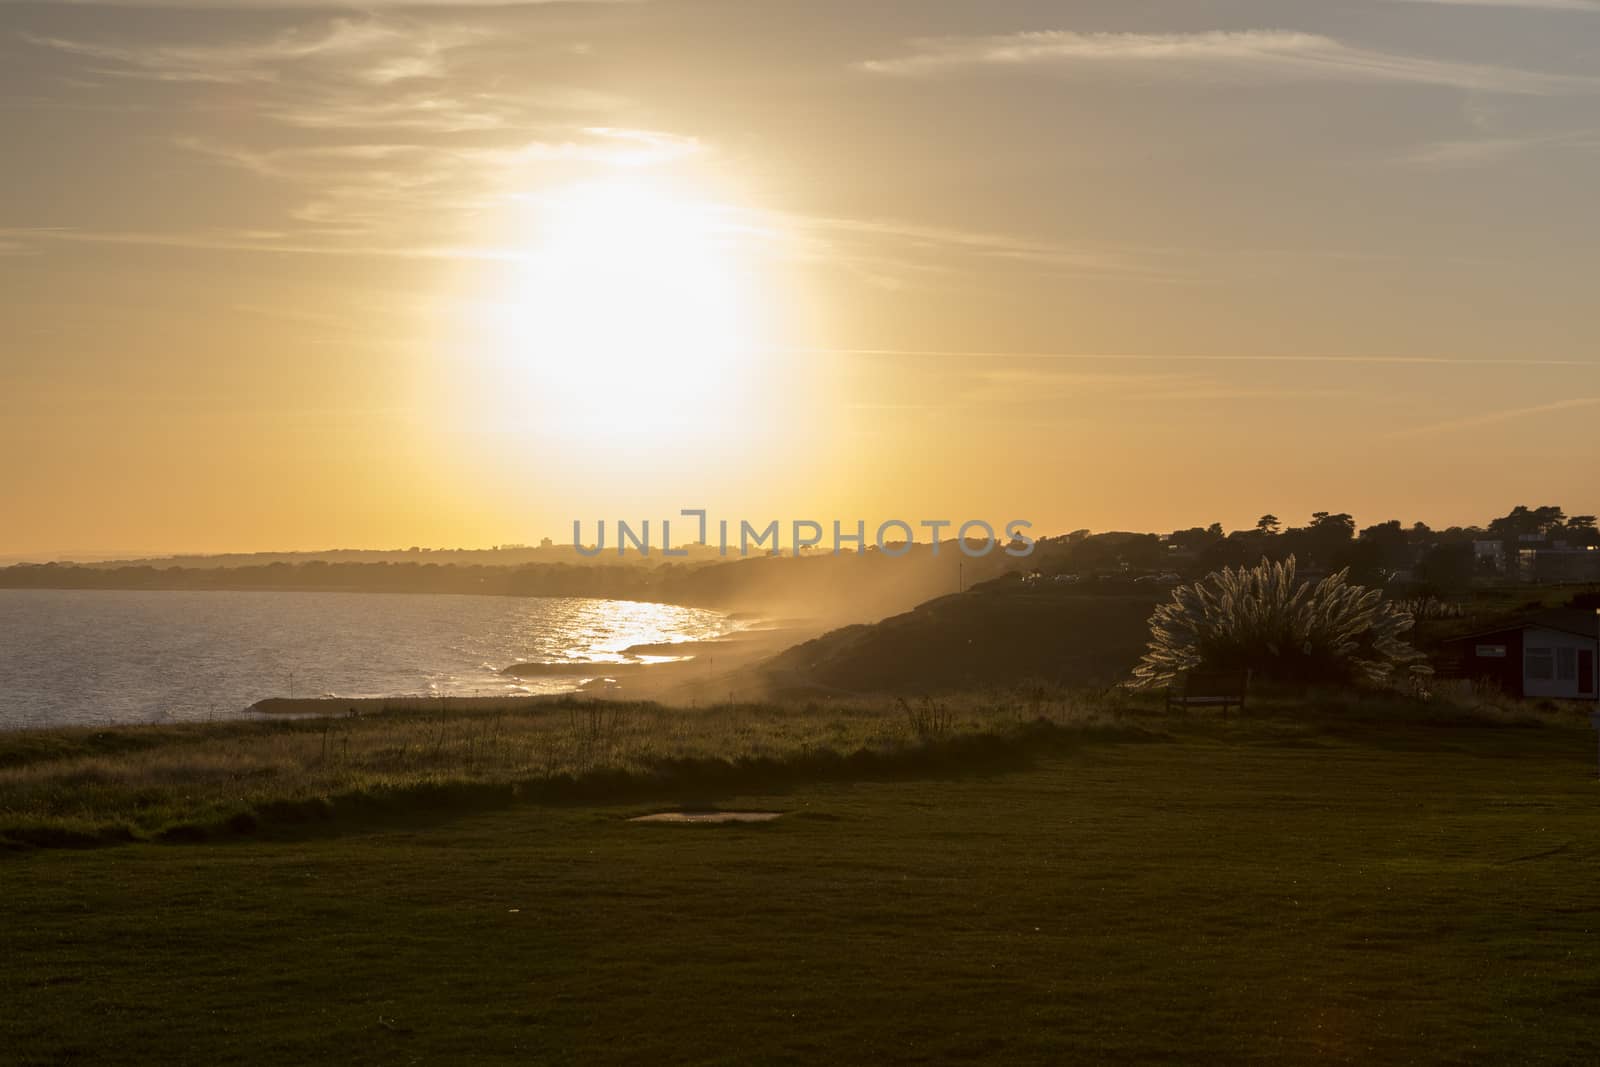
x=1145 y=357
x=1010 y=393
x=1028 y=386
x=1221 y=57
x=1491 y=418
x=372 y=50
x=436 y=164
x=361 y=197
x=370 y=190
x=304 y=5
x=389 y=133
x=276 y=242
x=388 y=72
x=1485 y=151
x=1544 y=5
x=892 y=252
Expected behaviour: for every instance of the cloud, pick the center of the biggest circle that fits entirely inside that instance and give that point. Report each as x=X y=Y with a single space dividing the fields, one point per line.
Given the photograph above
x=1491 y=418
x=1008 y=393
x=1486 y=151
x=1469 y=152
x=346 y=73
x=369 y=190
x=303 y=5
x=387 y=132
x=378 y=52
x=417 y=202
x=1134 y=357
x=275 y=242
x=1032 y=386
x=427 y=163
x=1248 y=57
x=891 y=253
x=1591 y=6
x=401 y=199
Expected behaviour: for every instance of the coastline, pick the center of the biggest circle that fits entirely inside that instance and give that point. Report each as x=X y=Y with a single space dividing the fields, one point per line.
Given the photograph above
x=708 y=669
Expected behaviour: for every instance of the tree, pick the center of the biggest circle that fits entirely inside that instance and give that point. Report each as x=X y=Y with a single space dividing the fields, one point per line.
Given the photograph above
x=1447 y=568
x=1195 y=538
x=1263 y=619
x=1324 y=543
x=1525 y=521
x=1268 y=524
x=1113 y=552
x=1385 y=533
x=1341 y=526
x=1379 y=552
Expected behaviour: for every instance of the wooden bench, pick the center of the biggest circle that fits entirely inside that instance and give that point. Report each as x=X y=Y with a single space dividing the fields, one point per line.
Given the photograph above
x=1210 y=689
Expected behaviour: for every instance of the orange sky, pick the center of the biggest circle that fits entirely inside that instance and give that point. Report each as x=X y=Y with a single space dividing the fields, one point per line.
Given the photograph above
x=275 y=277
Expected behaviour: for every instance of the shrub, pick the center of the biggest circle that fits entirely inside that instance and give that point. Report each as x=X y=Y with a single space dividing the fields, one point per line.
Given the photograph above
x=1261 y=618
x=1430 y=609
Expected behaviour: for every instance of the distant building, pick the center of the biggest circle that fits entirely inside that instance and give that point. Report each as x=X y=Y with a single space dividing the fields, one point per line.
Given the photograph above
x=1535 y=560
x=1555 y=654
x=1560 y=563
x=1490 y=556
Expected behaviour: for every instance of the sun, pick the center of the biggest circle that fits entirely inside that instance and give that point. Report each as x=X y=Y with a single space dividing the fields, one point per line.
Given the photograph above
x=629 y=313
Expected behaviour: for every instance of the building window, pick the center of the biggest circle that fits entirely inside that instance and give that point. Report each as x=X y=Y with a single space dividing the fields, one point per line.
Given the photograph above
x=1539 y=665
x=1566 y=664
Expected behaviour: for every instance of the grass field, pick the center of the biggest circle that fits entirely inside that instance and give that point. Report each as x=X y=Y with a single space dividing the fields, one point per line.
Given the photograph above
x=1294 y=887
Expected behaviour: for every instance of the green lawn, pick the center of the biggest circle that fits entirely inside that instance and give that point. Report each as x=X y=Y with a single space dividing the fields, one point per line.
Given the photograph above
x=1223 y=892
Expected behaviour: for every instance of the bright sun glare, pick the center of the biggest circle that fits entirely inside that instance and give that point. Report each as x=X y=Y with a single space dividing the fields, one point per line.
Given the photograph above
x=629 y=313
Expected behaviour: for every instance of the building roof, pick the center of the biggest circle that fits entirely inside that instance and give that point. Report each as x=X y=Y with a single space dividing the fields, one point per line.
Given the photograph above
x=1583 y=622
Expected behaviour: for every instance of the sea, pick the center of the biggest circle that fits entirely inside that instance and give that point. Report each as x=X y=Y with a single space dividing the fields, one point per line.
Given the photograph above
x=89 y=657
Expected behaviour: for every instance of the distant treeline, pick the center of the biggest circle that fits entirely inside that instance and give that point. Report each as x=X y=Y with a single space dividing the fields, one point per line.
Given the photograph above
x=823 y=586
x=874 y=583
x=1385 y=552
x=497 y=556
x=555 y=579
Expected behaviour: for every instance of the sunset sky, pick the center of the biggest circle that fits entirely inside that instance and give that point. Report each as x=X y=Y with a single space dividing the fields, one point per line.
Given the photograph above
x=278 y=276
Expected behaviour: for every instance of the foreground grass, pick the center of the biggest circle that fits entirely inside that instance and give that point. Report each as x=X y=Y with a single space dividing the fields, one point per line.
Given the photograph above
x=1276 y=889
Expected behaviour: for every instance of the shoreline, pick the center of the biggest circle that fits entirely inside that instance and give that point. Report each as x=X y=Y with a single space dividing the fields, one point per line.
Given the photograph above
x=710 y=668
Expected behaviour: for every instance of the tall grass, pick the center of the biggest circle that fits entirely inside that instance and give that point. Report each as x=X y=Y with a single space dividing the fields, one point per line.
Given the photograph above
x=1265 y=619
x=141 y=781
x=90 y=786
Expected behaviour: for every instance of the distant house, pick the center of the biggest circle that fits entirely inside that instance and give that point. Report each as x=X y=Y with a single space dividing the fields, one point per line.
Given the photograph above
x=1553 y=654
x=1490 y=556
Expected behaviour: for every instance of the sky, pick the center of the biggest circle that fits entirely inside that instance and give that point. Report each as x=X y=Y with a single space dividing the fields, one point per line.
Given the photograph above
x=294 y=276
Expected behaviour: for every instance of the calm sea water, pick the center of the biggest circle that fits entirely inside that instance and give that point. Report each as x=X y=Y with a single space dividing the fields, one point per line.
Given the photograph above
x=92 y=656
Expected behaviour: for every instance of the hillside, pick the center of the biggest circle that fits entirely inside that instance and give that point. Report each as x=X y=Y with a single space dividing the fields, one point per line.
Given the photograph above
x=1003 y=633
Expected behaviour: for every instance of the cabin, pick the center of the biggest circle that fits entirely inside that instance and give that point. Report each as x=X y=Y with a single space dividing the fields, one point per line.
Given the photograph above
x=1555 y=655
